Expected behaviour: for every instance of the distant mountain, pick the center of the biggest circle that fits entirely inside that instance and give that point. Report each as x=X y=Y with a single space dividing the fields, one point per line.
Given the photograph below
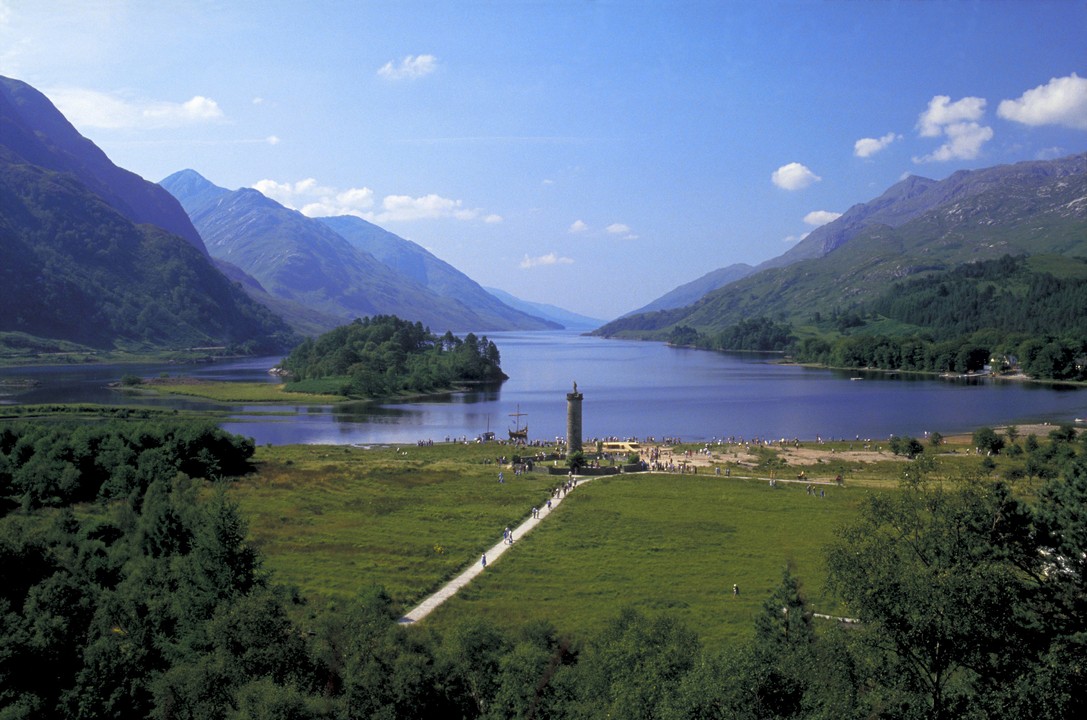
x=689 y=293
x=304 y=261
x=917 y=226
x=33 y=130
x=566 y=319
x=415 y=262
x=76 y=268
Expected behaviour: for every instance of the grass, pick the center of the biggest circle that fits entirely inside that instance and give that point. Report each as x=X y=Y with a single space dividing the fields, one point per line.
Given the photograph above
x=331 y=520
x=230 y=391
x=666 y=543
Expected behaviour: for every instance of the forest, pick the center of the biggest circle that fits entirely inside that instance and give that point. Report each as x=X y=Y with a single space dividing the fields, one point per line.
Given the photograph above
x=384 y=355
x=969 y=594
x=1000 y=312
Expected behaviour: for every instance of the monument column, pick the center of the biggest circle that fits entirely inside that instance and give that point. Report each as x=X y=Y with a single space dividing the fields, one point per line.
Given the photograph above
x=573 y=421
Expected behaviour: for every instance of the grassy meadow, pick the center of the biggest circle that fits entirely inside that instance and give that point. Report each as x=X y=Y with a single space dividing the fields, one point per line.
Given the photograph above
x=673 y=543
x=332 y=519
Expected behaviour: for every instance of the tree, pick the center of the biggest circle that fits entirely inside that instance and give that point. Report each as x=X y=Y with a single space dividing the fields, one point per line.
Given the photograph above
x=941 y=579
x=987 y=441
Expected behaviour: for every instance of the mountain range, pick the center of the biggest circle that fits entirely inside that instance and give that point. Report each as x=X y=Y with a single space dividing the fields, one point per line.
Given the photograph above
x=341 y=268
x=93 y=254
x=918 y=226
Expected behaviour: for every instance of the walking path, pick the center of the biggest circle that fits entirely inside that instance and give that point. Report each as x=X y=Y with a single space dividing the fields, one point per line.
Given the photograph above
x=450 y=589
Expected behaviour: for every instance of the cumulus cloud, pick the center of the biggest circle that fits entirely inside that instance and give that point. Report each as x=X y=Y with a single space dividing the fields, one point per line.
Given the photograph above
x=821 y=217
x=958 y=123
x=941 y=112
x=793 y=239
x=1061 y=101
x=578 y=226
x=964 y=141
x=794 y=176
x=90 y=108
x=621 y=229
x=543 y=260
x=867 y=147
x=410 y=68
x=314 y=200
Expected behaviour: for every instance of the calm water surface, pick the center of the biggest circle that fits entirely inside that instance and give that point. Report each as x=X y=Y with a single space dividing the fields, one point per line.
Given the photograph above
x=631 y=389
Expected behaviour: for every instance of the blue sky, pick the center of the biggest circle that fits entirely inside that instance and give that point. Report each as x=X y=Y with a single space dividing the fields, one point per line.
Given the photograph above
x=593 y=155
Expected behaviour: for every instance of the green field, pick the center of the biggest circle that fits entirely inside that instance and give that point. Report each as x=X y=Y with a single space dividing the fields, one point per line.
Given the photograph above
x=332 y=520
x=674 y=543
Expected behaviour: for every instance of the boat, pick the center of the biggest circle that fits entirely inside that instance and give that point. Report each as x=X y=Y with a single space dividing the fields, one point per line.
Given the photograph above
x=518 y=433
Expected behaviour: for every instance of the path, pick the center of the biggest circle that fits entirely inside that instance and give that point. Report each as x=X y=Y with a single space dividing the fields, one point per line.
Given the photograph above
x=450 y=589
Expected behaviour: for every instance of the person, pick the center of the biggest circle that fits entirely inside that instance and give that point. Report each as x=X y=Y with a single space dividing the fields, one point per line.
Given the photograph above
x=484 y=560
x=501 y=479
x=735 y=589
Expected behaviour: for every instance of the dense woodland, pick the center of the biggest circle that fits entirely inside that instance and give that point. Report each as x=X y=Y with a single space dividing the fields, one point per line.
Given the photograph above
x=97 y=279
x=384 y=355
x=148 y=601
x=947 y=322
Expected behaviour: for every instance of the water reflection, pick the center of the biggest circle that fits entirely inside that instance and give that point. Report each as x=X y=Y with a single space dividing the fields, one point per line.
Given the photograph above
x=631 y=389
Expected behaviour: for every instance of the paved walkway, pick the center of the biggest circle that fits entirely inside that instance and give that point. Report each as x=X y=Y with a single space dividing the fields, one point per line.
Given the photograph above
x=450 y=589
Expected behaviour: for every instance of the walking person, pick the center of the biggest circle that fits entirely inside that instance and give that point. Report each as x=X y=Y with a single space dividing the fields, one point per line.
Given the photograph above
x=483 y=562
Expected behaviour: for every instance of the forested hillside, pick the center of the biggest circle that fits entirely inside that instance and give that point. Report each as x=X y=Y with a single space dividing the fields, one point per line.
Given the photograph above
x=384 y=355
x=72 y=268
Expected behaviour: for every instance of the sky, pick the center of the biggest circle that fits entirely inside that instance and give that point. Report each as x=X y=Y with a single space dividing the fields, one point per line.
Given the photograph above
x=589 y=154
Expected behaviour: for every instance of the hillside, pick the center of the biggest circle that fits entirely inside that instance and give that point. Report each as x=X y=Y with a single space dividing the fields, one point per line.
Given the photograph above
x=693 y=291
x=34 y=131
x=415 y=262
x=918 y=226
x=74 y=268
x=304 y=261
x=567 y=319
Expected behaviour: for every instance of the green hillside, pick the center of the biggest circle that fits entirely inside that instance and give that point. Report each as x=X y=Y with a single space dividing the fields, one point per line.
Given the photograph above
x=74 y=269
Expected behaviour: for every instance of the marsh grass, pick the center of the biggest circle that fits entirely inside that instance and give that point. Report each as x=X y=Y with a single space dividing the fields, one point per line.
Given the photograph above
x=230 y=391
x=673 y=543
x=332 y=520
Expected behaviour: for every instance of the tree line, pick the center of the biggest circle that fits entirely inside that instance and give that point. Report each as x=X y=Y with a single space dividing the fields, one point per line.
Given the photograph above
x=998 y=312
x=384 y=355
x=971 y=597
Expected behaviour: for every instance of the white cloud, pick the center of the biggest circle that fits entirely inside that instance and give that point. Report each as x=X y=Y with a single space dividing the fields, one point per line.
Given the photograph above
x=272 y=140
x=314 y=200
x=405 y=208
x=578 y=226
x=964 y=141
x=821 y=217
x=618 y=228
x=792 y=239
x=90 y=108
x=867 y=147
x=941 y=112
x=957 y=122
x=794 y=176
x=1062 y=101
x=410 y=68
x=542 y=260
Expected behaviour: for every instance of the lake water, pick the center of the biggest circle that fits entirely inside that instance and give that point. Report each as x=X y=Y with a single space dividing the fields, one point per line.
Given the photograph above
x=631 y=389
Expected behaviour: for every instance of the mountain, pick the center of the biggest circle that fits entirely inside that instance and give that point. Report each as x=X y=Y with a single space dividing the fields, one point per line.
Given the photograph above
x=304 y=261
x=692 y=291
x=918 y=226
x=414 y=262
x=36 y=132
x=564 y=318
x=75 y=268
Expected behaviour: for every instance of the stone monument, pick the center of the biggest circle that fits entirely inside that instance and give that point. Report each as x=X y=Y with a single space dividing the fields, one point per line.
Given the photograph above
x=573 y=421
